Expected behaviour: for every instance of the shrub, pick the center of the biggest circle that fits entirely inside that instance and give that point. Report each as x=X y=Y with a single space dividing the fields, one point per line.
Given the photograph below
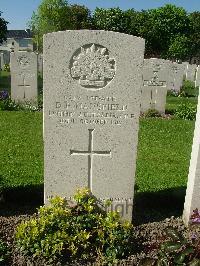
x=188 y=89
x=9 y=105
x=152 y=113
x=186 y=111
x=4 y=253
x=6 y=68
x=6 y=104
x=4 y=95
x=176 y=249
x=76 y=230
x=173 y=93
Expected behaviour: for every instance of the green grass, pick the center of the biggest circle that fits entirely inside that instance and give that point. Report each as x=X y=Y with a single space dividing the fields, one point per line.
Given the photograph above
x=21 y=149
x=163 y=151
x=173 y=102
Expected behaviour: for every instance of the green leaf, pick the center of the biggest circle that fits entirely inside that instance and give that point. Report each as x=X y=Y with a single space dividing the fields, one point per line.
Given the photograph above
x=162 y=262
x=179 y=258
x=175 y=235
x=194 y=262
x=170 y=246
x=188 y=250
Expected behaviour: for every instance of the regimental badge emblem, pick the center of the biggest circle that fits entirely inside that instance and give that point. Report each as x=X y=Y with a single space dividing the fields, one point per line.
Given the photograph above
x=23 y=61
x=92 y=67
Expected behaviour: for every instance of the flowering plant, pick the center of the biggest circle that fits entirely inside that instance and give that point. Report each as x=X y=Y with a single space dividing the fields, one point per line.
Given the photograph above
x=4 y=95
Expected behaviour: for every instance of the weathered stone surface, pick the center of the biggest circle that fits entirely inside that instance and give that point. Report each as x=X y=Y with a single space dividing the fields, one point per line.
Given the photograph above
x=24 y=77
x=92 y=83
x=155 y=84
x=192 y=198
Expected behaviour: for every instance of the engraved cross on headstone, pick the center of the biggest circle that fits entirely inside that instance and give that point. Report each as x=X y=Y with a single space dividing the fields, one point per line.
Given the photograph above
x=90 y=153
x=24 y=86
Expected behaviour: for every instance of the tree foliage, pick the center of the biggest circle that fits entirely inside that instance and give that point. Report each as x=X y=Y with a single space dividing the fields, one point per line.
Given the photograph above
x=180 y=48
x=165 y=23
x=195 y=33
x=113 y=19
x=169 y=31
x=3 y=29
x=57 y=15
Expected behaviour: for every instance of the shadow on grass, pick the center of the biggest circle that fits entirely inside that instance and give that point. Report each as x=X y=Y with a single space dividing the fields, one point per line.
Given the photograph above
x=156 y=206
x=148 y=207
x=21 y=200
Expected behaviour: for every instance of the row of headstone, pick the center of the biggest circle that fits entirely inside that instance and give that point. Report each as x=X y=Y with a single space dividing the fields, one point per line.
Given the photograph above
x=158 y=76
x=161 y=75
x=155 y=84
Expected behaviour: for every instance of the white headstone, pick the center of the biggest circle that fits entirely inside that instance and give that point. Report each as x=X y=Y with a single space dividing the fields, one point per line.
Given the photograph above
x=92 y=81
x=197 y=77
x=192 y=198
x=191 y=71
x=176 y=76
x=24 y=77
x=185 y=65
x=155 y=84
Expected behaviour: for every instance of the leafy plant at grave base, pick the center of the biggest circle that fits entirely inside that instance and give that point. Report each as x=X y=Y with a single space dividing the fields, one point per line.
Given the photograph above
x=186 y=111
x=4 y=253
x=6 y=104
x=6 y=68
x=152 y=113
x=173 y=93
x=4 y=95
x=176 y=250
x=188 y=89
x=69 y=231
x=195 y=217
x=28 y=106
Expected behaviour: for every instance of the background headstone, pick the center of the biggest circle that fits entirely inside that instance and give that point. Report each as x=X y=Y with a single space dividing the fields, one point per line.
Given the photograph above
x=155 y=84
x=191 y=71
x=185 y=65
x=92 y=82
x=197 y=77
x=176 y=76
x=24 y=77
x=192 y=198
x=2 y=61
